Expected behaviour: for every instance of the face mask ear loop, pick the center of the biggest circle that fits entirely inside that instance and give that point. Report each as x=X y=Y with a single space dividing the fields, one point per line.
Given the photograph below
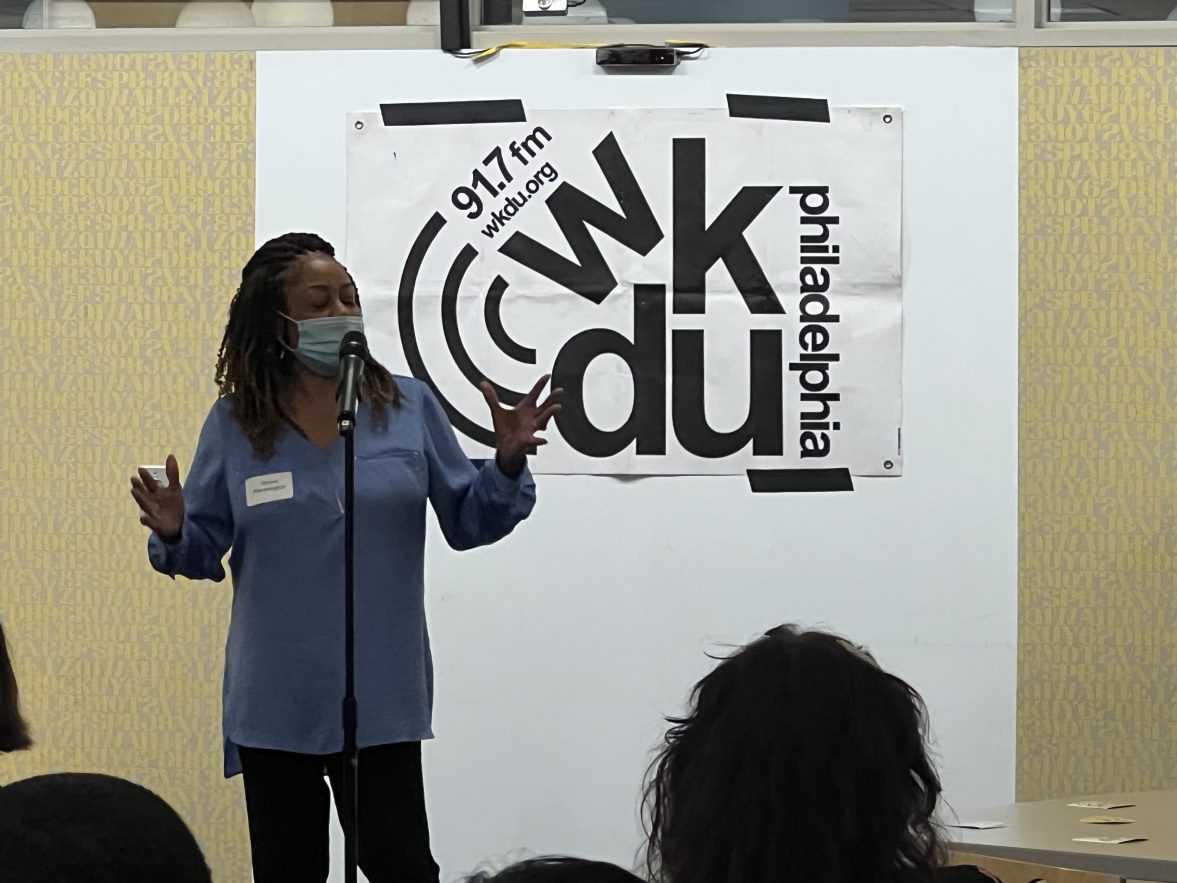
x=287 y=348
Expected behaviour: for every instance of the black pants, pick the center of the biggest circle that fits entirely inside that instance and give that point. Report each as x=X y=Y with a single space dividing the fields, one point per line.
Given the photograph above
x=288 y=805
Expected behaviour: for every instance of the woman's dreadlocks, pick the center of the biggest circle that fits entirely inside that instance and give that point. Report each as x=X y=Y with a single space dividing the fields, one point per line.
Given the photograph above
x=252 y=370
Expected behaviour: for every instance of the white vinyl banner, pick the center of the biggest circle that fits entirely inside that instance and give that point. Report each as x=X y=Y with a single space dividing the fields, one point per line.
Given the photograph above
x=717 y=291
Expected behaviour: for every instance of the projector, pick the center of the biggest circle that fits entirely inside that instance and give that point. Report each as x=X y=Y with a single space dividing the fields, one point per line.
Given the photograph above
x=545 y=7
x=576 y=12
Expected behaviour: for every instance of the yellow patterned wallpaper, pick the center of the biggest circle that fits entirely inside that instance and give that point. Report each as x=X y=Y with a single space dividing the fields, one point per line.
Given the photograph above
x=1097 y=707
x=126 y=212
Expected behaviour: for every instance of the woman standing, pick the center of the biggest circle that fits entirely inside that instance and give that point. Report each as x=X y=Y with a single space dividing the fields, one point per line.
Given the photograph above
x=267 y=482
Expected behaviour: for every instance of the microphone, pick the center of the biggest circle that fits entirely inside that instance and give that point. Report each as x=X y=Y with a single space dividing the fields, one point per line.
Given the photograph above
x=352 y=352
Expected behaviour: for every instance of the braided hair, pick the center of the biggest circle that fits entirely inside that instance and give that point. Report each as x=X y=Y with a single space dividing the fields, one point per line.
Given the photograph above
x=252 y=369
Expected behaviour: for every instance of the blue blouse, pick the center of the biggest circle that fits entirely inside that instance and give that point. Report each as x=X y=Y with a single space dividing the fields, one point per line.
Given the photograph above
x=283 y=519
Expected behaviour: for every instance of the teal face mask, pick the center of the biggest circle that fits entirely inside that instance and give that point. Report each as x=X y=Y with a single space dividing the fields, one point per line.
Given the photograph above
x=319 y=340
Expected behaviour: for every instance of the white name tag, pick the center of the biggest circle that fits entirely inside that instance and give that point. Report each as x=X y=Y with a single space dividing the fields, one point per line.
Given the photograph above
x=269 y=488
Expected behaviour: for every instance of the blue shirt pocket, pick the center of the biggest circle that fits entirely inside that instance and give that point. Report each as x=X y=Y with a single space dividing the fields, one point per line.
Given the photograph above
x=392 y=479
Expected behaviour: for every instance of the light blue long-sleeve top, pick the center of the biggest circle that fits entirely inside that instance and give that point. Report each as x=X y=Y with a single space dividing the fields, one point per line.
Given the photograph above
x=284 y=663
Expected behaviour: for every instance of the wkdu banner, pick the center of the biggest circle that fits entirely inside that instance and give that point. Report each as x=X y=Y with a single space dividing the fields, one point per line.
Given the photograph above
x=717 y=291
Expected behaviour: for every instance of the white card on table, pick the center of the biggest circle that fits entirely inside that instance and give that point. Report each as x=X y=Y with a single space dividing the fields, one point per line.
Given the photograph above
x=1106 y=820
x=1099 y=804
x=978 y=826
x=1110 y=841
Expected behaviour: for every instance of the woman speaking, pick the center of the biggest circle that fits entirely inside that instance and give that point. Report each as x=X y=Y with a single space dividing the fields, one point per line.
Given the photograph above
x=267 y=482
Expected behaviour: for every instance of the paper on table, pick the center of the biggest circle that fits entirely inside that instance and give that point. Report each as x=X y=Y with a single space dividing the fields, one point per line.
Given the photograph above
x=1110 y=841
x=1099 y=804
x=978 y=826
x=1107 y=820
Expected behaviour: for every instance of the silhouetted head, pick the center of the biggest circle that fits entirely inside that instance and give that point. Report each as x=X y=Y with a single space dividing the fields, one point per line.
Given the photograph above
x=81 y=826
x=799 y=760
x=558 y=869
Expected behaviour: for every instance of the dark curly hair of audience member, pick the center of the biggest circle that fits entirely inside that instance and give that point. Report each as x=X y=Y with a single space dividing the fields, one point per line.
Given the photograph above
x=252 y=368
x=799 y=760
x=558 y=869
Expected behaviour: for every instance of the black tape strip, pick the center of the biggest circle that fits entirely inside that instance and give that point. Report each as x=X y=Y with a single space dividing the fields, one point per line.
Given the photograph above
x=444 y=113
x=770 y=107
x=797 y=481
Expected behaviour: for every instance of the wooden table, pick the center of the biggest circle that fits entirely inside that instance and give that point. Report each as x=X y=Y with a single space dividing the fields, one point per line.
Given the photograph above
x=1044 y=832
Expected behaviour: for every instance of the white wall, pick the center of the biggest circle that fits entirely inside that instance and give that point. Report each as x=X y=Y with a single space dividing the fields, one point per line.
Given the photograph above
x=559 y=650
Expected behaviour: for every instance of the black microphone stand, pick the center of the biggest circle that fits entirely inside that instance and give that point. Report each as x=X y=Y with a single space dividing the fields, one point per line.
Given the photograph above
x=351 y=753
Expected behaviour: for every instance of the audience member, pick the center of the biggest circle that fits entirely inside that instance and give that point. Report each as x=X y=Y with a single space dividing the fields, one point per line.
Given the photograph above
x=558 y=869
x=799 y=761
x=83 y=826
